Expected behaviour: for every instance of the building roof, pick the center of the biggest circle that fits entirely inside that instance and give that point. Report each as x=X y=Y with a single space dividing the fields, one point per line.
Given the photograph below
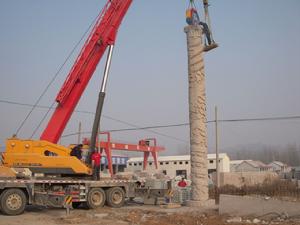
x=296 y=168
x=256 y=164
x=278 y=163
x=237 y=162
x=213 y=156
x=175 y=158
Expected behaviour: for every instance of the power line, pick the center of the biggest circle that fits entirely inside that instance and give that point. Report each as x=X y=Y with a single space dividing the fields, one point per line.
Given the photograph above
x=147 y=128
x=130 y=124
x=92 y=113
x=134 y=129
x=38 y=106
x=52 y=80
x=187 y=124
x=261 y=119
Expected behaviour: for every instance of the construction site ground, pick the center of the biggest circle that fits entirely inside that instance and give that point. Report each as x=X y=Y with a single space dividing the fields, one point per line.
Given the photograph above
x=133 y=214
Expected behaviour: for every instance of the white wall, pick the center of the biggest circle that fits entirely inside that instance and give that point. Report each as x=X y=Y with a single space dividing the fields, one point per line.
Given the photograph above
x=173 y=164
x=169 y=166
x=224 y=164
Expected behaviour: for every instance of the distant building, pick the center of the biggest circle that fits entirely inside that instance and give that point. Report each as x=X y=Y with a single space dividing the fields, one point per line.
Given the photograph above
x=178 y=165
x=234 y=163
x=252 y=166
x=295 y=173
x=279 y=167
x=118 y=162
x=224 y=162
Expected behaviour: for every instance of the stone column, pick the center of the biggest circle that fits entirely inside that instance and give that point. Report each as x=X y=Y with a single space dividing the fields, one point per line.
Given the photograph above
x=197 y=116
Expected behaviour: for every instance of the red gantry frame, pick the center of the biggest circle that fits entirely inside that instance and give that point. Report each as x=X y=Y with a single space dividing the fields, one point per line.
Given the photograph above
x=148 y=145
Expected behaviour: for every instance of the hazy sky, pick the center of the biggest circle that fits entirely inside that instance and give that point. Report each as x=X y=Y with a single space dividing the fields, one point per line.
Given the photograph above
x=254 y=72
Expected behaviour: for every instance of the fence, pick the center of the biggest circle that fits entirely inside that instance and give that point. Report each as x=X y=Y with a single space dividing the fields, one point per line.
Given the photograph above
x=181 y=195
x=278 y=189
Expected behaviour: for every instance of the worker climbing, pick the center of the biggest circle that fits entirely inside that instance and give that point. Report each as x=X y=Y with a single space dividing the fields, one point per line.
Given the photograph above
x=192 y=18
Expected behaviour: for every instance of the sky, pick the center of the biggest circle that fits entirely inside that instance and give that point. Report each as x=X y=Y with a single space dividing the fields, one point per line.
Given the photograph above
x=254 y=73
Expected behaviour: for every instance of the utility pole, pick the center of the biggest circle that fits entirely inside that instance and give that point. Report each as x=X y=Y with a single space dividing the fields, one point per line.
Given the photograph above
x=79 y=133
x=217 y=158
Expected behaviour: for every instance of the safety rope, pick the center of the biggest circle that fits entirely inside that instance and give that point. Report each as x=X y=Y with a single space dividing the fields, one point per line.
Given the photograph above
x=207 y=19
x=192 y=5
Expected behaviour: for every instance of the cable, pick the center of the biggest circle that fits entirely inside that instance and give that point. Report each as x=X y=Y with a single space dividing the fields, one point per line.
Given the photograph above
x=54 y=78
x=139 y=128
x=88 y=112
x=143 y=128
x=186 y=124
x=42 y=120
x=39 y=106
x=261 y=119
x=159 y=126
x=118 y=120
x=148 y=130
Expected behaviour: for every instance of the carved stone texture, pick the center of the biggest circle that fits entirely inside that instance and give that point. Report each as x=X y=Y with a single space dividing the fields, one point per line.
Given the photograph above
x=197 y=115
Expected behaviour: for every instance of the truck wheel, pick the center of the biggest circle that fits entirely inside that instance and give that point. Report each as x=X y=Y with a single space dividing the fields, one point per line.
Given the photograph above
x=96 y=198
x=115 y=197
x=13 y=202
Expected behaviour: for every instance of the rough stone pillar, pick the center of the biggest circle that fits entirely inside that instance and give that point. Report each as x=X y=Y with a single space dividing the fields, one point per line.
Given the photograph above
x=197 y=115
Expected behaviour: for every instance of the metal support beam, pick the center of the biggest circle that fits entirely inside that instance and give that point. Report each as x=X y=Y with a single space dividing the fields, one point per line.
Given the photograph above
x=96 y=125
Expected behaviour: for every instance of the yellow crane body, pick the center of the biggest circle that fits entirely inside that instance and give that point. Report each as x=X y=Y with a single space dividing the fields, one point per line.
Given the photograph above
x=42 y=157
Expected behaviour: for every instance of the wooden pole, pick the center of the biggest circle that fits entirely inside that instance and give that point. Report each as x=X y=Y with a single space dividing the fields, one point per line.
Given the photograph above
x=79 y=133
x=217 y=157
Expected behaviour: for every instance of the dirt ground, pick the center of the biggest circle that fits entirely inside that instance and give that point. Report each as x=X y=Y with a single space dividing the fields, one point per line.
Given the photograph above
x=131 y=214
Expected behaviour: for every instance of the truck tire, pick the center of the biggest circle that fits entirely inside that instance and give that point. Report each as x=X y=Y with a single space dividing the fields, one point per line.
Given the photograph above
x=115 y=197
x=13 y=201
x=96 y=198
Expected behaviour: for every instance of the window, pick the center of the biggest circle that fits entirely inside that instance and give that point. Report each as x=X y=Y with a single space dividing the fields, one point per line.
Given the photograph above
x=180 y=163
x=175 y=163
x=167 y=163
x=134 y=164
x=211 y=161
x=130 y=164
x=150 y=163
x=140 y=164
x=186 y=162
x=181 y=173
x=161 y=163
x=49 y=153
x=164 y=172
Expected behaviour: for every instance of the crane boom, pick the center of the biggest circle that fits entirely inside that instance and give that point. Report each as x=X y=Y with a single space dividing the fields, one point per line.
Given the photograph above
x=103 y=35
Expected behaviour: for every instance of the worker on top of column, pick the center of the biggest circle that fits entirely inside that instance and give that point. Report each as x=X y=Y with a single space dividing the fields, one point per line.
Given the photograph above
x=192 y=18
